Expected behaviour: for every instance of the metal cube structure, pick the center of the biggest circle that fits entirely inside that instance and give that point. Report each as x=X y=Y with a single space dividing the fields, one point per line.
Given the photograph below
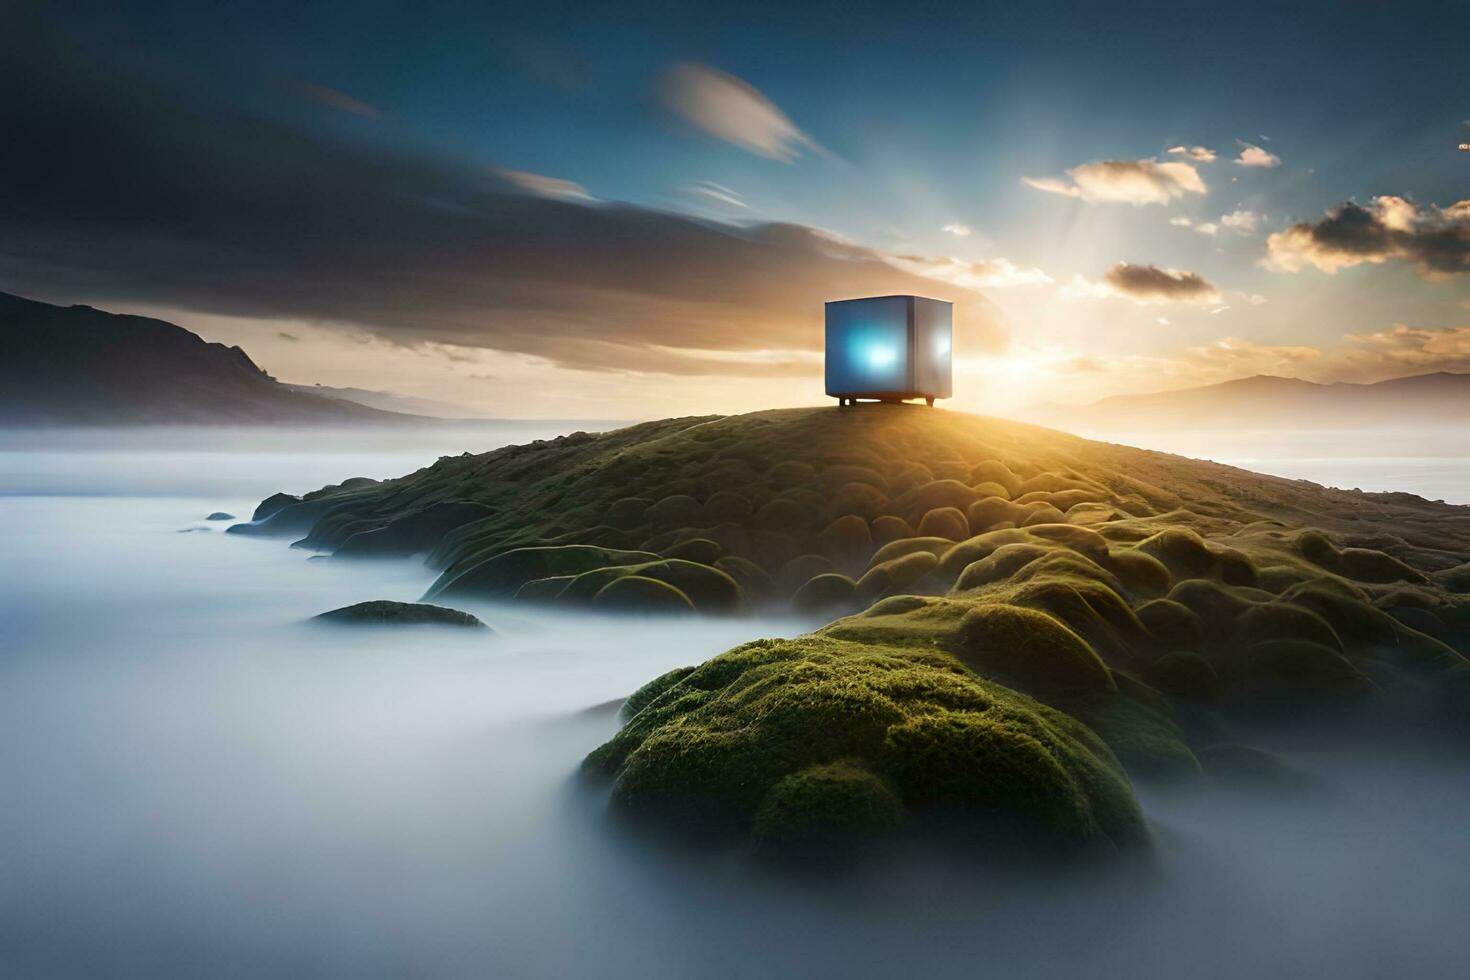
x=889 y=348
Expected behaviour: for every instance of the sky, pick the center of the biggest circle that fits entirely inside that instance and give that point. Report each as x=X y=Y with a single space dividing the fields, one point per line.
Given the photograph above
x=632 y=210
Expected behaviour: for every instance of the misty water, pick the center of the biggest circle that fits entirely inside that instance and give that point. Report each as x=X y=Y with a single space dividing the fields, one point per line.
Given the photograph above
x=196 y=782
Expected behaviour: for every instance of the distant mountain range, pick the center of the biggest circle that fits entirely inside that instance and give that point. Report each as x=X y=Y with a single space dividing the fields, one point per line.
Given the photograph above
x=1266 y=402
x=74 y=365
x=389 y=401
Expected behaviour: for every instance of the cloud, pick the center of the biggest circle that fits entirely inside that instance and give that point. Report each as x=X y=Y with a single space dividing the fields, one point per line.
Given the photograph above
x=994 y=273
x=718 y=192
x=958 y=230
x=337 y=100
x=733 y=110
x=1253 y=156
x=1436 y=241
x=1244 y=222
x=1133 y=182
x=1199 y=154
x=181 y=203
x=1402 y=349
x=291 y=337
x=1204 y=227
x=1145 y=284
x=543 y=186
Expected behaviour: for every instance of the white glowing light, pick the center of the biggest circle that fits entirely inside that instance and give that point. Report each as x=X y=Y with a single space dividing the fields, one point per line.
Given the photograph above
x=881 y=357
x=941 y=344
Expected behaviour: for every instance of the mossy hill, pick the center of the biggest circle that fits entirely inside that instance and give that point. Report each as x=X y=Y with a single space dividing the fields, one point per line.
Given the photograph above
x=1018 y=620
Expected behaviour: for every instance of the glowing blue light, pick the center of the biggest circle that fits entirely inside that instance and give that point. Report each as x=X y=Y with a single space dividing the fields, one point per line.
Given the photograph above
x=881 y=357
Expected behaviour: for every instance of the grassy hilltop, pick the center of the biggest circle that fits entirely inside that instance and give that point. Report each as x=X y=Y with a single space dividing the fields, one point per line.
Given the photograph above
x=1020 y=620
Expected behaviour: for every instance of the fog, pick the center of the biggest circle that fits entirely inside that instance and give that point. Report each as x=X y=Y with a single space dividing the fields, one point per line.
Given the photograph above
x=196 y=782
x=1431 y=460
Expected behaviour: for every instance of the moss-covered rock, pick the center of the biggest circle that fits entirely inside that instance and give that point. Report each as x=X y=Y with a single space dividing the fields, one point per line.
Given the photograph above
x=386 y=612
x=822 y=593
x=637 y=593
x=1030 y=651
x=945 y=522
x=781 y=740
x=847 y=541
x=501 y=575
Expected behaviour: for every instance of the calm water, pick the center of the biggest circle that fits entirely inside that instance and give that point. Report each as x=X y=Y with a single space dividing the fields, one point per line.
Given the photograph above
x=196 y=783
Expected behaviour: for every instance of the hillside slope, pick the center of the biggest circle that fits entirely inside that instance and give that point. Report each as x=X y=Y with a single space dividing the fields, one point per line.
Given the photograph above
x=80 y=366
x=1018 y=620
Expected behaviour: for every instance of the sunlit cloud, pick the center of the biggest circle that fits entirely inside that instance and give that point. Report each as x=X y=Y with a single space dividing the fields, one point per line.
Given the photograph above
x=542 y=186
x=958 y=230
x=1199 y=154
x=1244 y=222
x=994 y=273
x=717 y=192
x=1135 y=182
x=337 y=100
x=1253 y=156
x=1144 y=284
x=1436 y=241
x=732 y=110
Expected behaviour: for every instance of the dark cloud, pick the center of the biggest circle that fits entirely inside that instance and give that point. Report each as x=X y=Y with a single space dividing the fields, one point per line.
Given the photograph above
x=1149 y=282
x=1435 y=240
x=113 y=187
x=289 y=336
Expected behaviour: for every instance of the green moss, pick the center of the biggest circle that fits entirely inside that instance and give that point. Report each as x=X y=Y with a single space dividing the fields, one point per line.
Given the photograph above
x=1172 y=624
x=1216 y=606
x=675 y=510
x=1084 y=541
x=825 y=805
x=1294 y=671
x=945 y=522
x=1146 y=742
x=914 y=504
x=999 y=565
x=888 y=528
x=1185 y=675
x=1141 y=573
x=544 y=589
x=862 y=499
x=753 y=580
x=907 y=546
x=847 y=541
x=634 y=593
x=653 y=690
x=386 y=612
x=985 y=514
x=1181 y=551
x=716 y=752
x=502 y=574
x=1030 y=651
x=726 y=505
x=1040 y=513
x=701 y=550
x=895 y=575
x=994 y=471
x=957 y=558
x=1285 y=621
x=795 y=573
x=824 y=592
x=989 y=488
x=783 y=514
x=792 y=473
